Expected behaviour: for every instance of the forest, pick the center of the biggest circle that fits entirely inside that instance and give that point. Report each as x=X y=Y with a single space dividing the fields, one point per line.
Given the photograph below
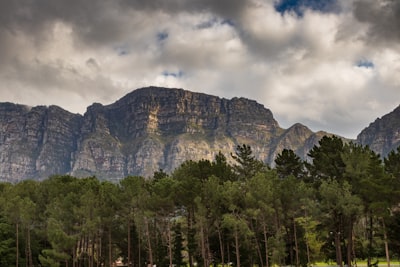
x=340 y=206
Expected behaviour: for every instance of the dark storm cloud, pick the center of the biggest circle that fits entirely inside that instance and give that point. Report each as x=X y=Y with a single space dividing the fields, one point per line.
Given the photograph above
x=90 y=20
x=383 y=18
x=229 y=9
x=100 y=21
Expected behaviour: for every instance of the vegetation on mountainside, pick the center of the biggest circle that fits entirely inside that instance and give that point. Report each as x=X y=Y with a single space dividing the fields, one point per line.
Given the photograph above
x=340 y=206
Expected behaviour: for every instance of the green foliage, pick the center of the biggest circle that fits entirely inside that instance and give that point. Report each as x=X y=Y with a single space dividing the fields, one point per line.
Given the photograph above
x=278 y=247
x=311 y=237
x=327 y=159
x=178 y=246
x=7 y=246
x=337 y=199
x=247 y=165
x=221 y=168
x=288 y=163
x=209 y=212
x=392 y=163
x=52 y=258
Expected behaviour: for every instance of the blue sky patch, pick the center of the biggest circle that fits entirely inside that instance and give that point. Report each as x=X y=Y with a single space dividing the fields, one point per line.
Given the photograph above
x=364 y=63
x=161 y=36
x=177 y=74
x=299 y=6
x=122 y=50
x=207 y=24
x=214 y=22
x=228 y=22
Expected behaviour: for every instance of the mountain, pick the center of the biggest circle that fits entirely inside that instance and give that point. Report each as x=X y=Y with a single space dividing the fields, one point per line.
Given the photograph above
x=36 y=142
x=383 y=135
x=148 y=129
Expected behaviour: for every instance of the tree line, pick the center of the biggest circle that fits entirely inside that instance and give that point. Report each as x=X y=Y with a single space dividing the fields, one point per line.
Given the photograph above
x=339 y=206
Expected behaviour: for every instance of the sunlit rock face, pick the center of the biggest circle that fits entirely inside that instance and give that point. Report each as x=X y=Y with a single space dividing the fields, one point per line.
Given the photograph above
x=158 y=128
x=147 y=130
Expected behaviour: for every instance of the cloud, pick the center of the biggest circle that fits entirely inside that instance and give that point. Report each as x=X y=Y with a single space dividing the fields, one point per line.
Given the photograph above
x=382 y=18
x=228 y=9
x=331 y=67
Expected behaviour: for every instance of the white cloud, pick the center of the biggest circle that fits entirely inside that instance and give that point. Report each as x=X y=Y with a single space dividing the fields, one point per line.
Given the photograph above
x=303 y=68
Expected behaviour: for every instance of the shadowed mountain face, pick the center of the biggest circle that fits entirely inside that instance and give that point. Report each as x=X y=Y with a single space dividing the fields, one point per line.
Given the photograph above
x=36 y=142
x=147 y=130
x=383 y=135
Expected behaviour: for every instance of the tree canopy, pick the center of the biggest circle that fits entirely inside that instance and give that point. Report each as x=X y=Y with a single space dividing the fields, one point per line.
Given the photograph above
x=339 y=206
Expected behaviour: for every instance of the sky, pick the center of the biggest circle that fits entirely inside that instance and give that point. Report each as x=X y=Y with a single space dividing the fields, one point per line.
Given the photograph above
x=331 y=65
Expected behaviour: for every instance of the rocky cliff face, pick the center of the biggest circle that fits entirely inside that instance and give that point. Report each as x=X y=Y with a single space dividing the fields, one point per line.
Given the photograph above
x=153 y=128
x=36 y=142
x=299 y=138
x=147 y=130
x=383 y=135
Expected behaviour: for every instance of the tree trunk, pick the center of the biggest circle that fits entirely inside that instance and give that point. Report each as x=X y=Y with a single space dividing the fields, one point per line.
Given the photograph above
x=190 y=230
x=26 y=250
x=79 y=251
x=74 y=256
x=87 y=253
x=370 y=239
x=221 y=246
x=148 y=241
x=237 y=247
x=350 y=243
x=207 y=248
x=290 y=241
x=339 y=260
x=109 y=248
x=354 y=250
x=129 y=242
x=259 y=253
x=203 y=246
x=29 y=250
x=296 y=247
x=266 y=245
x=308 y=253
x=229 y=253
x=169 y=244
x=17 y=244
x=98 y=249
x=93 y=248
x=139 y=246
x=386 y=243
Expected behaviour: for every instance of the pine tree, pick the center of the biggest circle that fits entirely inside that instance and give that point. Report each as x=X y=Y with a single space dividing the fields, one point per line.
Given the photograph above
x=178 y=246
x=288 y=163
x=247 y=165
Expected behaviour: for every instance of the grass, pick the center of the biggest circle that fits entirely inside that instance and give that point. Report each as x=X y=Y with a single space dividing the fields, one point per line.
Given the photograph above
x=362 y=263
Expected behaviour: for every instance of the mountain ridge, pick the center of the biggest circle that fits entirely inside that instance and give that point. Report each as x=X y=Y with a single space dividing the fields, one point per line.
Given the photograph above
x=382 y=135
x=146 y=130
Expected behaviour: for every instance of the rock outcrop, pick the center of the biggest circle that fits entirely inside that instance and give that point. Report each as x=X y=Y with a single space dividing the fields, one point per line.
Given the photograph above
x=147 y=130
x=158 y=128
x=36 y=142
x=383 y=135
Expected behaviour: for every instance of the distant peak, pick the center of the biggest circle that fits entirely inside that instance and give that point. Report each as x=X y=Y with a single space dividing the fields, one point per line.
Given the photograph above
x=299 y=126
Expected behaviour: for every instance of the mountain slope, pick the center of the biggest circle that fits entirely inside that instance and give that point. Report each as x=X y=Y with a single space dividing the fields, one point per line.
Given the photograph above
x=148 y=129
x=383 y=135
x=153 y=128
x=36 y=142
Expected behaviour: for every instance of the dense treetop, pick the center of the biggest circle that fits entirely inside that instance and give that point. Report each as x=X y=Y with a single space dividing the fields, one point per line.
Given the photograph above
x=340 y=206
